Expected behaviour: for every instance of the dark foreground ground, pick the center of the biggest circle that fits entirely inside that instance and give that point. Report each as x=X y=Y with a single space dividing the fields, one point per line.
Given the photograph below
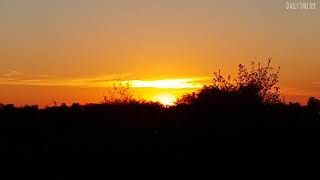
x=94 y=134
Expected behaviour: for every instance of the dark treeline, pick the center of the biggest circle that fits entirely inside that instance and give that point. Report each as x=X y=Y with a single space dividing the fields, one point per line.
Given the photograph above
x=228 y=116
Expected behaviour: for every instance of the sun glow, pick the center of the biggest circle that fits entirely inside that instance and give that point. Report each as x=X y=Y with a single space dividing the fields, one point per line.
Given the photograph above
x=165 y=99
x=168 y=83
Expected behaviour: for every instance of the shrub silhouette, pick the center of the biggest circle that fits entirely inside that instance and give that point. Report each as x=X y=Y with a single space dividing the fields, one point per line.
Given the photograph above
x=256 y=85
x=314 y=104
x=119 y=93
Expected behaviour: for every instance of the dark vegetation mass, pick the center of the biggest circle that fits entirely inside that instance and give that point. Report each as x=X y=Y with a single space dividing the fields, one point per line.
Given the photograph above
x=228 y=116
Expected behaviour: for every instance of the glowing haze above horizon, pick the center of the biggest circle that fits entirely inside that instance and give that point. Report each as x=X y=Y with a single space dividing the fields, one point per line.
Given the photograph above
x=65 y=51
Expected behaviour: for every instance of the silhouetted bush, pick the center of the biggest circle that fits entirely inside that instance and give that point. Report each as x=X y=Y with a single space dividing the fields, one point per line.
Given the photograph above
x=314 y=103
x=253 y=86
x=119 y=93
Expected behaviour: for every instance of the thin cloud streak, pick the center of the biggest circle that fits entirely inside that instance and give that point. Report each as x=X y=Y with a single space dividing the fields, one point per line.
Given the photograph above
x=17 y=78
x=298 y=91
x=170 y=83
x=11 y=73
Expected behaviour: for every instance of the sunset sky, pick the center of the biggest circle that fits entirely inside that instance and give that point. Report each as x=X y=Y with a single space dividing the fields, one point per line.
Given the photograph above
x=68 y=51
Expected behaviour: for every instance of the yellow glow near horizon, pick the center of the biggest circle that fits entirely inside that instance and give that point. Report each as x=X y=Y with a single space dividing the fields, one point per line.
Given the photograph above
x=100 y=81
x=168 y=83
x=165 y=99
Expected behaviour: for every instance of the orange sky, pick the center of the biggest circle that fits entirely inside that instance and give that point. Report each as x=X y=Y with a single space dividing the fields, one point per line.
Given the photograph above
x=67 y=50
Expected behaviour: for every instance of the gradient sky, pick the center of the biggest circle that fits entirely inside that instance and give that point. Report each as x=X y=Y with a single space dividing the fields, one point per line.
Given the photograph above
x=51 y=44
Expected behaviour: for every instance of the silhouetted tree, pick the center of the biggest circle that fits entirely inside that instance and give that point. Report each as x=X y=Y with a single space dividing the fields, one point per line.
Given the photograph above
x=314 y=103
x=257 y=84
x=119 y=93
x=75 y=106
